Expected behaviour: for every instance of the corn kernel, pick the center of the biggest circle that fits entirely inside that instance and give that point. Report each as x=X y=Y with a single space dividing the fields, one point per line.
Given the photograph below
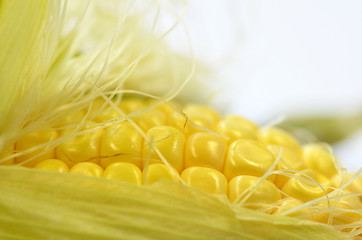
x=355 y=186
x=288 y=160
x=316 y=157
x=276 y=136
x=106 y=114
x=287 y=204
x=166 y=107
x=71 y=119
x=170 y=142
x=243 y=121
x=195 y=123
x=130 y=105
x=87 y=169
x=205 y=179
x=32 y=140
x=262 y=196
x=236 y=128
x=53 y=165
x=247 y=157
x=158 y=171
x=125 y=172
x=205 y=150
x=85 y=147
x=151 y=118
x=99 y=112
x=340 y=209
x=299 y=187
x=194 y=110
x=177 y=120
x=121 y=142
x=191 y=122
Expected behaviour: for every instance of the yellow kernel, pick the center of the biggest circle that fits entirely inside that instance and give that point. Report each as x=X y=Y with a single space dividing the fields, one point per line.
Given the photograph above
x=166 y=107
x=194 y=109
x=343 y=209
x=205 y=150
x=196 y=123
x=242 y=121
x=305 y=189
x=170 y=142
x=247 y=157
x=125 y=172
x=205 y=179
x=80 y=148
x=288 y=160
x=121 y=142
x=99 y=112
x=158 y=171
x=276 y=136
x=53 y=165
x=32 y=140
x=177 y=120
x=235 y=128
x=130 y=105
x=87 y=169
x=265 y=194
x=151 y=118
x=319 y=159
x=355 y=186
x=287 y=204
x=107 y=114
x=190 y=123
x=71 y=118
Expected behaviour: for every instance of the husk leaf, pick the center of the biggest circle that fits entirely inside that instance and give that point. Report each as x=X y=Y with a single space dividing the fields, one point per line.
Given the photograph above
x=49 y=205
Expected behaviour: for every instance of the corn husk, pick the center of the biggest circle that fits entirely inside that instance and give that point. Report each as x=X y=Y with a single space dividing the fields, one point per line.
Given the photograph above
x=49 y=205
x=326 y=128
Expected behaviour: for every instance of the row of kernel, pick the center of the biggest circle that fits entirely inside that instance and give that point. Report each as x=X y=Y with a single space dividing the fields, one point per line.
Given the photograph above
x=205 y=179
x=86 y=147
x=246 y=156
x=121 y=142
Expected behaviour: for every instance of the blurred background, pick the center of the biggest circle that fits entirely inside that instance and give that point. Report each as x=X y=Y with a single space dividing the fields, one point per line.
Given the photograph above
x=282 y=59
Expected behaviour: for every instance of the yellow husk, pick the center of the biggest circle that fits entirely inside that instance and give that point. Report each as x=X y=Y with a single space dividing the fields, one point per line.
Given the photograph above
x=43 y=205
x=56 y=58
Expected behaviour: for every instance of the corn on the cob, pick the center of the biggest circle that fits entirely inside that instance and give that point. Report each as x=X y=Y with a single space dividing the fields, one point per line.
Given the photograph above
x=227 y=158
x=213 y=168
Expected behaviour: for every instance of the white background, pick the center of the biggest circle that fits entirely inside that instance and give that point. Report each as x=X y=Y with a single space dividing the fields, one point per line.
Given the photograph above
x=283 y=57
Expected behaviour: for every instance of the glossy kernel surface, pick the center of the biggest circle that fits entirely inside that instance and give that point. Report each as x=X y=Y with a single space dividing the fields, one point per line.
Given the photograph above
x=205 y=150
x=121 y=142
x=170 y=142
x=125 y=172
x=264 y=194
x=205 y=179
x=247 y=157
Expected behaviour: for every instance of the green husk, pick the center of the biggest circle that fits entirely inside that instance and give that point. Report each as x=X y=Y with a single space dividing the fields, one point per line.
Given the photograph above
x=49 y=205
x=330 y=129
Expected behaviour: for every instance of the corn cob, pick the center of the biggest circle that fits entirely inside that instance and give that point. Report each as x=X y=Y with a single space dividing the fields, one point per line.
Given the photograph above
x=143 y=169
x=261 y=169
